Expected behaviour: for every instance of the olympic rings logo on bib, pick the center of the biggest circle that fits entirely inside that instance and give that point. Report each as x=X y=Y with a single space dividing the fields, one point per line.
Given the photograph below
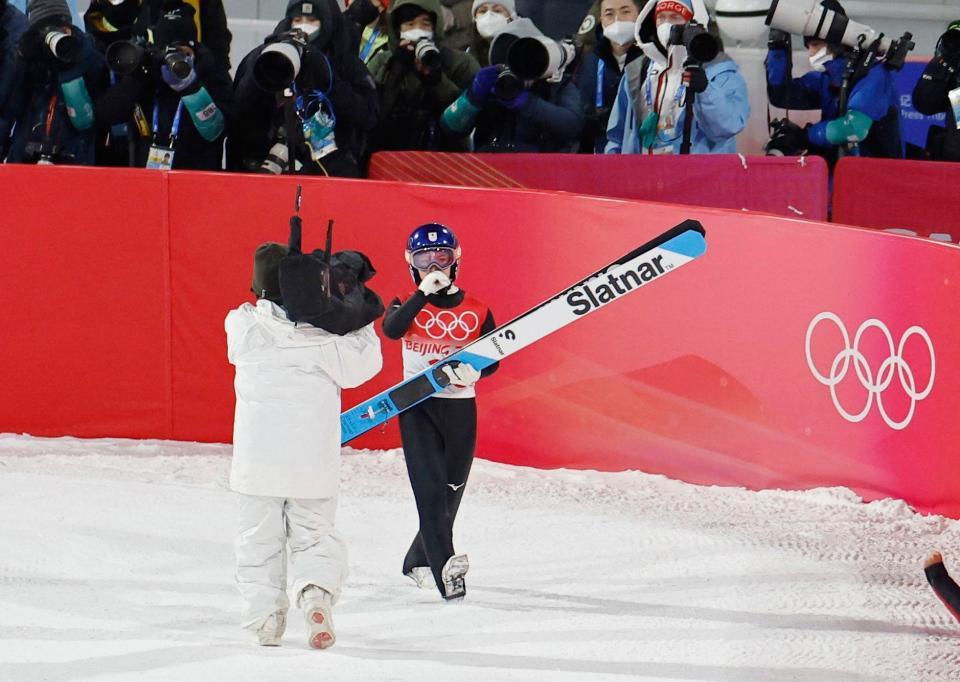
x=446 y=324
x=874 y=385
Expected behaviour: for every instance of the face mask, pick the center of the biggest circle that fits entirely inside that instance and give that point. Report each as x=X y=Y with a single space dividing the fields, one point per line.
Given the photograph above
x=620 y=32
x=416 y=35
x=818 y=60
x=663 y=34
x=490 y=23
x=309 y=29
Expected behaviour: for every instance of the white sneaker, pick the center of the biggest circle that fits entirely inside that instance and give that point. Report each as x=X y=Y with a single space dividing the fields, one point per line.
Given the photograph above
x=317 y=605
x=421 y=575
x=454 y=586
x=271 y=632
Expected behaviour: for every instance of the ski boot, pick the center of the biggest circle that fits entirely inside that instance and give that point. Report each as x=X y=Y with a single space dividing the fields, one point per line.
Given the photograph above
x=421 y=575
x=271 y=631
x=454 y=586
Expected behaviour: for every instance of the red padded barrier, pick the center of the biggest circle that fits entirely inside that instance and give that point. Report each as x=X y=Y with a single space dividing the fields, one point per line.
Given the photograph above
x=702 y=377
x=782 y=186
x=891 y=193
x=85 y=340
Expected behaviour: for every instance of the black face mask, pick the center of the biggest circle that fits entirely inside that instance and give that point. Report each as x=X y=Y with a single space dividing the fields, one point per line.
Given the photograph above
x=122 y=15
x=365 y=13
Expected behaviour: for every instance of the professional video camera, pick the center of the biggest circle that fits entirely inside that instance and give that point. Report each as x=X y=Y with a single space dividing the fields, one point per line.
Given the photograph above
x=811 y=19
x=701 y=46
x=126 y=56
x=528 y=55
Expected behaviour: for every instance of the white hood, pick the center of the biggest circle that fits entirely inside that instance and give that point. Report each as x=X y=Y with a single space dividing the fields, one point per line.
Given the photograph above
x=646 y=30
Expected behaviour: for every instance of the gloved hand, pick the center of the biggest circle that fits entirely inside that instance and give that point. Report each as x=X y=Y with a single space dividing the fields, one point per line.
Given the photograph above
x=778 y=40
x=482 y=85
x=462 y=374
x=434 y=283
x=695 y=78
x=517 y=102
x=175 y=82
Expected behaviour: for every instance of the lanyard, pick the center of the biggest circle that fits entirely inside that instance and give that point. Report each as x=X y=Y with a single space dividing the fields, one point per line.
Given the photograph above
x=175 y=126
x=601 y=70
x=368 y=46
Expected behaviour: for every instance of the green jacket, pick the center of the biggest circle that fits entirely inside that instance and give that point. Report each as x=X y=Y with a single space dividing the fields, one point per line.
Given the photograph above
x=410 y=103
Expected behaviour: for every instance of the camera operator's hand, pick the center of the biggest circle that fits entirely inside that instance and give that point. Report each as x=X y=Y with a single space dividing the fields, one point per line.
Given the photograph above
x=695 y=78
x=778 y=40
x=176 y=83
x=481 y=87
x=788 y=139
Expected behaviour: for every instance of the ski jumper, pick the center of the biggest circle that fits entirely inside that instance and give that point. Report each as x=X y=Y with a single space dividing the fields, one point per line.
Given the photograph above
x=944 y=587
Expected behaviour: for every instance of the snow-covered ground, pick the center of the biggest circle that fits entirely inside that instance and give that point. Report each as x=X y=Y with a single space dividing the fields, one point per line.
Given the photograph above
x=116 y=562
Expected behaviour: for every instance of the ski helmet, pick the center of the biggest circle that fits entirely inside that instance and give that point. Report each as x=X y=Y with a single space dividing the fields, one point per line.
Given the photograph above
x=432 y=247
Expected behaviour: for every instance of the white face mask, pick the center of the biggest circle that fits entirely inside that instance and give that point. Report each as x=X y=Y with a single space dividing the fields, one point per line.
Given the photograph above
x=416 y=35
x=818 y=60
x=490 y=23
x=663 y=34
x=309 y=29
x=620 y=32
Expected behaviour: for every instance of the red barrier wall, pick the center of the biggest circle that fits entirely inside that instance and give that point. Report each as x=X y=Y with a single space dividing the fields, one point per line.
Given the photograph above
x=782 y=186
x=891 y=193
x=114 y=326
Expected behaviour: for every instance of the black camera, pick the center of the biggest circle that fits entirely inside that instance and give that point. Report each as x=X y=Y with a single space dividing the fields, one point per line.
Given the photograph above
x=786 y=139
x=45 y=153
x=508 y=85
x=427 y=53
x=126 y=56
x=701 y=46
x=63 y=46
x=279 y=63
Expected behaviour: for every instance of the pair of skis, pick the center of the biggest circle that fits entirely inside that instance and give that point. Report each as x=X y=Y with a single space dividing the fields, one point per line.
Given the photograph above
x=645 y=264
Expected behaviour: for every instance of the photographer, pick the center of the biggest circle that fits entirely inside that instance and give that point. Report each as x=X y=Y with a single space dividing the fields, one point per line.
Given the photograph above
x=210 y=20
x=489 y=18
x=333 y=103
x=176 y=98
x=13 y=24
x=507 y=111
x=872 y=119
x=600 y=71
x=366 y=20
x=938 y=90
x=685 y=61
x=59 y=76
x=418 y=79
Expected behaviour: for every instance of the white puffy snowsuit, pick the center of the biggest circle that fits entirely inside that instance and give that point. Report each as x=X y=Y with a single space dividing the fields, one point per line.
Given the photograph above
x=286 y=450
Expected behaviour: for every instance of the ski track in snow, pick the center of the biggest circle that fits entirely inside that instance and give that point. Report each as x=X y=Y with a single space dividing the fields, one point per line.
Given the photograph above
x=116 y=562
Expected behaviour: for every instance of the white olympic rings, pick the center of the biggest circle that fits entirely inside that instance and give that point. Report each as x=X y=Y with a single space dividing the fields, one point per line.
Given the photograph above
x=447 y=324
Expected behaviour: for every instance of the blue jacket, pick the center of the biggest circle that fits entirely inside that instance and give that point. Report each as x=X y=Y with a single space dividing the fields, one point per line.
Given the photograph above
x=13 y=24
x=39 y=84
x=873 y=95
x=720 y=112
x=598 y=103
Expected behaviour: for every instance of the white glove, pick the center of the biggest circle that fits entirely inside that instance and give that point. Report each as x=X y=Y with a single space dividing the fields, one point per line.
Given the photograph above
x=462 y=375
x=434 y=282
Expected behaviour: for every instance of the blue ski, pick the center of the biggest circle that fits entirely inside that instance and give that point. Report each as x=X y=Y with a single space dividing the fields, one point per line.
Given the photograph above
x=648 y=263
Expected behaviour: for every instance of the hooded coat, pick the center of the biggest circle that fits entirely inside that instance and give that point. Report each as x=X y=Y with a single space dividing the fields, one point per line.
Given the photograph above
x=352 y=95
x=651 y=118
x=412 y=103
x=13 y=24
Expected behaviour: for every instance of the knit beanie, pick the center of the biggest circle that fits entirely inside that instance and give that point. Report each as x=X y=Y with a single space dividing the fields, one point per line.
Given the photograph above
x=510 y=5
x=266 y=270
x=682 y=7
x=303 y=8
x=39 y=11
x=176 y=25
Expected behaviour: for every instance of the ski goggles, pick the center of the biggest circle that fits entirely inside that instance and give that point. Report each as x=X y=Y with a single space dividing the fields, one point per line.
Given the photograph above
x=441 y=258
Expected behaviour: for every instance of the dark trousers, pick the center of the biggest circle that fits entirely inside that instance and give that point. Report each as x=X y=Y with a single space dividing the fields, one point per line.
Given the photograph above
x=944 y=587
x=439 y=437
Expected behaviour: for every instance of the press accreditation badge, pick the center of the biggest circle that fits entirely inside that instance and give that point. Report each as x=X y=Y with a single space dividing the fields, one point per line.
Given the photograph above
x=954 y=96
x=160 y=158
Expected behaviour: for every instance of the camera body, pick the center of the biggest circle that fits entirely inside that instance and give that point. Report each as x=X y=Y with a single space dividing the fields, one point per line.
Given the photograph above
x=701 y=46
x=786 y=139
x=427 y=53
x=45 y=153
x=126 y=56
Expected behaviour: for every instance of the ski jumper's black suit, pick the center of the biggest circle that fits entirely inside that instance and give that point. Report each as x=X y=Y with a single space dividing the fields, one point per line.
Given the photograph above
x=944 y=587
x=440 y=434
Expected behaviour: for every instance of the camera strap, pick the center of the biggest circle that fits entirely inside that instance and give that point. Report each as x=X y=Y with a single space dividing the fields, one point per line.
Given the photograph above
x=601 y=72
x=174 y=127
x=368 y=46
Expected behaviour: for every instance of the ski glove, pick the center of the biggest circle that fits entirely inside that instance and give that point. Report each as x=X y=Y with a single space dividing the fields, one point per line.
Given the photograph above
x=463 y=375
x=434 y=283
x=175 y=82
x=482 y=85
x=695 y=78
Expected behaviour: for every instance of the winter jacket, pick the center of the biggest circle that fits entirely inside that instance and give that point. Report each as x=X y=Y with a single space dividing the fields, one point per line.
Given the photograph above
x=211 y=20
x=930 y=96
x=286 y=429
x=412 y=103
x=597 y=103
x=352 y=95
x=136 y=96
x=651 y=119
x=67 y=129
x=13 y=24
x=874 y=98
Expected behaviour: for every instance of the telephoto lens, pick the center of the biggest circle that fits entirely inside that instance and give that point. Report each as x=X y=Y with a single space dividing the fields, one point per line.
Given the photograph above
x=278 y=66
x=63 y=46
x=508 y=85
x=177 y=62
x=123 y=57
x=701 y=46
x=427 y=54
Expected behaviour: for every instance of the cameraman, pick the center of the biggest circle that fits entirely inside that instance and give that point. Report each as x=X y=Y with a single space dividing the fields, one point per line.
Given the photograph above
x=334 y=104
x=60 y=75
x=418 y=79
x=210 y=20
x=600 y=71
x=183 y=116
x=13 y=24
x=650 y=116
x=939 y=90
x=872 y=119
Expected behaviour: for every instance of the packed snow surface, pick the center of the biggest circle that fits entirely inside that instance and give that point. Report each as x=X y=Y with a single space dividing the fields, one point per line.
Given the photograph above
x=116 y=563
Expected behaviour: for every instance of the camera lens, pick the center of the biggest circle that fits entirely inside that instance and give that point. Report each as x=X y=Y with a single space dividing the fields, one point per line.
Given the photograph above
x=428 y=54
x=62 y=46
x=177 y=62
x=507 y=85
x=124 y=57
